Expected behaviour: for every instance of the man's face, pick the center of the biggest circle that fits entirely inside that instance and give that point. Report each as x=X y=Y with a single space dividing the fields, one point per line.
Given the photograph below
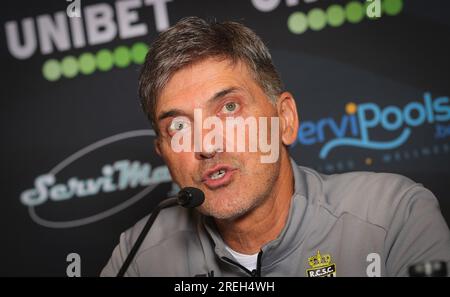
x=233 y=182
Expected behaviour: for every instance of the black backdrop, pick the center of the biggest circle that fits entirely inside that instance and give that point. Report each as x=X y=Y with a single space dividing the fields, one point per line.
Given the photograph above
x=78 y=166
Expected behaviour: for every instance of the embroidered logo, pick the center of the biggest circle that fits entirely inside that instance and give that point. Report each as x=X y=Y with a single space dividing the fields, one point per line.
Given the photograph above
x=321 y=266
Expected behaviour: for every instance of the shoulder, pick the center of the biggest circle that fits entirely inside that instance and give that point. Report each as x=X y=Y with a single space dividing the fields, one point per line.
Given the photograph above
x=171 y=223
x=171 y=232
x=373 y=197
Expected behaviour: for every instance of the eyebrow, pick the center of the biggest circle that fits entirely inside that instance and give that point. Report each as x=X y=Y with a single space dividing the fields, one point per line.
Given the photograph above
x=171 y=113
x=219 y=95
x=178 y=112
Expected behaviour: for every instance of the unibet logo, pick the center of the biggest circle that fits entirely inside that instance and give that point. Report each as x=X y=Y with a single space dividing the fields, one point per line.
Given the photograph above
x=355 y=126
x=58 y=32
x=335 y=15
x=99 y=23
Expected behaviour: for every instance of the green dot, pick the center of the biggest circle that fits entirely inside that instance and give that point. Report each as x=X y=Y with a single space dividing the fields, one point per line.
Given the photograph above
x=69 y=66
x=354 y=11
x=138 y=52
x=297 y=23
x=392 y=7
x=86 y=63
x=51 y=70
x=316 y=19
x=122 y=56
x=104 y=60
x=335 y=15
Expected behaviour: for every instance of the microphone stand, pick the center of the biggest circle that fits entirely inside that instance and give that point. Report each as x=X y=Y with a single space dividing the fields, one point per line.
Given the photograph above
x=164 y=204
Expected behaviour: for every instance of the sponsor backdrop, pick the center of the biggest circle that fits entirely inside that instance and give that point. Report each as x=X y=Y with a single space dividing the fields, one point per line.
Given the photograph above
x=78 y=164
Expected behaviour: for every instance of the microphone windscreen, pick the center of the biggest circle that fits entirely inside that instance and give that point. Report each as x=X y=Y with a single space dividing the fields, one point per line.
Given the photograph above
x=190 y=197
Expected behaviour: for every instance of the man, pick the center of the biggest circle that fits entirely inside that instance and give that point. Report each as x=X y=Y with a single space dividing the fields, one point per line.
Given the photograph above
x=262 y=217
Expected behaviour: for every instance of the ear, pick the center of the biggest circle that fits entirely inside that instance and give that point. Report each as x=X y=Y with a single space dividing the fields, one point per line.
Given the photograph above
x=157 y=145
x=287 y=111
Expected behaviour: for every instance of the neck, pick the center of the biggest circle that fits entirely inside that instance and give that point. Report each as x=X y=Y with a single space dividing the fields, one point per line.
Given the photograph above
x=247 y=234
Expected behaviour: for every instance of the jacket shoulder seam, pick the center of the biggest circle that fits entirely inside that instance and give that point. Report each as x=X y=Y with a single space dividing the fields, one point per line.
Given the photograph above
x=161 y=241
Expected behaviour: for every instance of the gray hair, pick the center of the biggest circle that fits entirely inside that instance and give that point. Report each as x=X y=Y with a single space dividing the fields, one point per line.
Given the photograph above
x=193 y=39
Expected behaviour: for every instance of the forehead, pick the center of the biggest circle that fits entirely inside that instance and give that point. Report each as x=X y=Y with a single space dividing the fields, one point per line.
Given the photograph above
x=194 y=84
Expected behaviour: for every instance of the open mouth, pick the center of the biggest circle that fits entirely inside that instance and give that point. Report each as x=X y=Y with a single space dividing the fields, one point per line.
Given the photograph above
x=218 y=176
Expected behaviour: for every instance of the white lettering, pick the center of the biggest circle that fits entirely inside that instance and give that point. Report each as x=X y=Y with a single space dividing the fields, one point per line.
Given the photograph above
x=374 y=268
x=373 y=9
x=160 y=12
x=129 y=175
x=53 y=32
x=17 y=50
x=265 y=5
x=74 y=9
x=74 y=268
x=126 y=16
x=76 y=29
x=100 y=25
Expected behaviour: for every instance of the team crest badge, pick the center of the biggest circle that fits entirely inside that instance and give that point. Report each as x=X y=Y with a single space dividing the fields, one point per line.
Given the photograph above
x=321 y=266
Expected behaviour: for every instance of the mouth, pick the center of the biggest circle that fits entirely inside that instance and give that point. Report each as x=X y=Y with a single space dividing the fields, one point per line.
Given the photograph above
x=218 y=176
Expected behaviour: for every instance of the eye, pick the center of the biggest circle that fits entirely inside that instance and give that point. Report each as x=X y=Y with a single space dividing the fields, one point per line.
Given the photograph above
x=230 y=107
x=178 y=124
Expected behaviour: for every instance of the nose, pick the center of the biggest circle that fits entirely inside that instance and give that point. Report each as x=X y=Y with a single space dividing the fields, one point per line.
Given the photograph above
x=205 y=155
x=207 y=145
x=208 y=150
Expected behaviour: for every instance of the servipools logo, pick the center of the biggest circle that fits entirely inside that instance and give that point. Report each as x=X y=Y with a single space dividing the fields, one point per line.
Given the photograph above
x=118 y=176
x=355 y=127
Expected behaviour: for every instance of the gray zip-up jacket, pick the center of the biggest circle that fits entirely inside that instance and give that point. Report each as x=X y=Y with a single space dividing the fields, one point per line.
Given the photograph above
x=351 y=224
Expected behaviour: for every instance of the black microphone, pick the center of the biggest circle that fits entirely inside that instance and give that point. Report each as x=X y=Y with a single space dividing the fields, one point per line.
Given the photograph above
x=188 y=197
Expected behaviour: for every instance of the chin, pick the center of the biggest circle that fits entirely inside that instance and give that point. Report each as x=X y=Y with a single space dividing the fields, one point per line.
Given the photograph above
x=225 y=211
x=224 y=215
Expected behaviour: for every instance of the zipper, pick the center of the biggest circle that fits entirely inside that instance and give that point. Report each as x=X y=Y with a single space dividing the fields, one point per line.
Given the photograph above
x=255 y=272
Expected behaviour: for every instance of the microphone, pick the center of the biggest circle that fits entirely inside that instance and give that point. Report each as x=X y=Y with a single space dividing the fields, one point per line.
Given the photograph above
x=188 y=197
